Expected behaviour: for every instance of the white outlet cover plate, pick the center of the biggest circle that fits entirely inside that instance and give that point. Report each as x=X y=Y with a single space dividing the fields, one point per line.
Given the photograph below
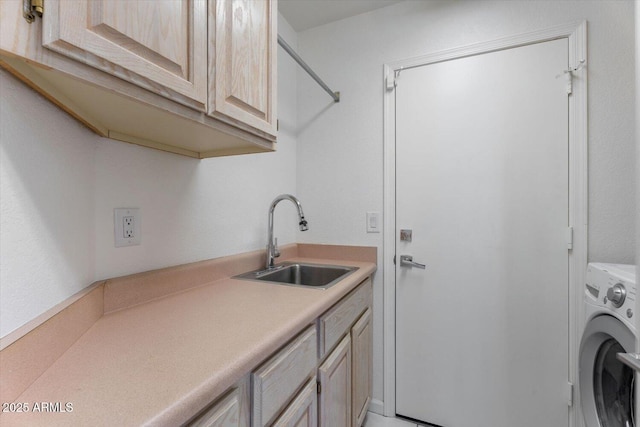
x=119 y=215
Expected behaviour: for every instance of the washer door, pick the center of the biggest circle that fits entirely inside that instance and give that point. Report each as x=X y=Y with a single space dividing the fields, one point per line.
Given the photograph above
x=606 y=384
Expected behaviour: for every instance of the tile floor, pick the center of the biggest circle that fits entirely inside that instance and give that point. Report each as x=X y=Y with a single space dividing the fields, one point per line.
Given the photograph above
x=375 y=420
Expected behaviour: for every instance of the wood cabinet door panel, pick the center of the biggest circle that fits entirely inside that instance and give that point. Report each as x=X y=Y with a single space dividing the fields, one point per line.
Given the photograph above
x=335 y=382
x=242 y=63
x=160 y=45
x=303 y=411
x=362 y=367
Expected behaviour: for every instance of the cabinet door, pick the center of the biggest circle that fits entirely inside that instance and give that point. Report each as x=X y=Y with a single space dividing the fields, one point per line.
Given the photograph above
x=160 y=45
x=242 y=62
x=303 y=411
x=362 y=367
x=335 y=382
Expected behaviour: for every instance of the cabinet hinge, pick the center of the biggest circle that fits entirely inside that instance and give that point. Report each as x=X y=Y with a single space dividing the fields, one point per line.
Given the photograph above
x=569 y=394
x=570 y=238
x=31 y=9
x=319 y=387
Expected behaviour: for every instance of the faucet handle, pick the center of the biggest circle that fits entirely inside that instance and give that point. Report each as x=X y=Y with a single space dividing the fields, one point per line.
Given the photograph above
x=276 y=251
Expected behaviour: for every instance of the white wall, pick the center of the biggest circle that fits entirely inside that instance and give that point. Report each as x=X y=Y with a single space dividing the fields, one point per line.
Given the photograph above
x=60 y=183
x=46 y=205
x=340 y=151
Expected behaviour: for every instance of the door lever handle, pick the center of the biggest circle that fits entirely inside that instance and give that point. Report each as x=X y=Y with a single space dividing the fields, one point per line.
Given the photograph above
x=407 y=261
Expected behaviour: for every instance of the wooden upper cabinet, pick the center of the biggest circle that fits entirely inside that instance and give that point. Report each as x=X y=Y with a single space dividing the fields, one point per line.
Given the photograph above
x=192 y=77
x=242 y=62
x=160 y=45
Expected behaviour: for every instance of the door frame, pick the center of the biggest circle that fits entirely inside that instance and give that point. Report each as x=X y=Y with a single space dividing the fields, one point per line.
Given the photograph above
x=576 y=33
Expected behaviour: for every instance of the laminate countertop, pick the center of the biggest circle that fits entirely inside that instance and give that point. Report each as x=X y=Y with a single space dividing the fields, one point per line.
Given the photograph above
x=162 y=361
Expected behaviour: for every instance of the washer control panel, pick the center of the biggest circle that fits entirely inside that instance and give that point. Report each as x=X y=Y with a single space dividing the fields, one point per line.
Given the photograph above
x=612 y=286
x=616 y=294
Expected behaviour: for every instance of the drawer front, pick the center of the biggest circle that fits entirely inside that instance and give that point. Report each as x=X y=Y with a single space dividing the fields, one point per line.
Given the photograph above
x=334 y=323
x=232 y=410
x=275 y=382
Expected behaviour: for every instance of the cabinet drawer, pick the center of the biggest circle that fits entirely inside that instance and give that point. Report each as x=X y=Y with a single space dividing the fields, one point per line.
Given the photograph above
x=334 y=323
x=275 y=382
x=232 y=410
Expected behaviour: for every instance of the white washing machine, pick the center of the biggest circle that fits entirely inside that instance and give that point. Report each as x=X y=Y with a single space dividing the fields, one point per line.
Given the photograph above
x=606 y=384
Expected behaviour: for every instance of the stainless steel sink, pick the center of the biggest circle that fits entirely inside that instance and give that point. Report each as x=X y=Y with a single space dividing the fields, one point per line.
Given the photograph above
x=297 y=274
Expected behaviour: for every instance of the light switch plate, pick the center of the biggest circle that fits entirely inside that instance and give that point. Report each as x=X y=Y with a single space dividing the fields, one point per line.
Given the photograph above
x=373 y=222
x=126 y=226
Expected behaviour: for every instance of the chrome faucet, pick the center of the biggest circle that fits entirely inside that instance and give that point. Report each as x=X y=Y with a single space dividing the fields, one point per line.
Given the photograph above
x=272 y=247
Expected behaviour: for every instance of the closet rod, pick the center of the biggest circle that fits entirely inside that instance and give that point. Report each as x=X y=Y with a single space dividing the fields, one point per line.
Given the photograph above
x=296 y=57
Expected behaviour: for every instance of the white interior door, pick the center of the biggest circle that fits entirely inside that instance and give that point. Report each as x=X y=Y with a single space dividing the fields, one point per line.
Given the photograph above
x=482 y=182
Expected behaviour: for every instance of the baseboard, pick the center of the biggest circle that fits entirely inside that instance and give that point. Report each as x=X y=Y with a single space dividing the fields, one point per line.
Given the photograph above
x=376 y=406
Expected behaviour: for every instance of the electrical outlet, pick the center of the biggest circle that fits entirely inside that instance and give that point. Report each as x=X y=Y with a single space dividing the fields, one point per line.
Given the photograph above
x=126 y=223
x=128 y=227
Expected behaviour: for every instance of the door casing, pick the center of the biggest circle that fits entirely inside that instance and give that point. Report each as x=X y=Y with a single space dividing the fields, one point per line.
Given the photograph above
x=576 y=33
